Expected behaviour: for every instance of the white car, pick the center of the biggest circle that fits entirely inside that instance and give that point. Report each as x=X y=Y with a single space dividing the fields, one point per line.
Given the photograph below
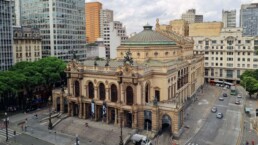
x=239 y=96
x=219 y=115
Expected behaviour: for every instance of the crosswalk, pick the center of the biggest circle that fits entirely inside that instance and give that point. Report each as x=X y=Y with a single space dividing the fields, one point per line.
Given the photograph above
x=10 y=133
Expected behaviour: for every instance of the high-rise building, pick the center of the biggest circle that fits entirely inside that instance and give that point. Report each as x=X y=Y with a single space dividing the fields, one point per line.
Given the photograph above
x=228 y=55
x=92 y=21
x=61 y=24
x=191 y=17
x=16 y=12
x=114 y=34
x=6 y=40
x=205 y=29
x=106 y=16
x=249 y=19
x=26 y=44
x=229 y=18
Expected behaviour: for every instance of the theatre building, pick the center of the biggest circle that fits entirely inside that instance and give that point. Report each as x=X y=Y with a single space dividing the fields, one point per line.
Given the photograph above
x=154 y=75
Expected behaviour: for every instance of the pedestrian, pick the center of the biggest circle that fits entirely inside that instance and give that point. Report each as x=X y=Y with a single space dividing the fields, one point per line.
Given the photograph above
x=252 y=142
x=247 y=143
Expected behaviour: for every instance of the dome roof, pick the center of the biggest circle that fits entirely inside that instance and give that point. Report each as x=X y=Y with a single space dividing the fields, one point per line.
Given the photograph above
x=148 y=37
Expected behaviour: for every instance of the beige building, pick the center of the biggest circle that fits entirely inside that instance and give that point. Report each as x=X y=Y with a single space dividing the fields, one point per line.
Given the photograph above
x=205 y=29
x=180 y=26
x=92 y=13
x=149 y=84
x=26 y=44
x=228 y=55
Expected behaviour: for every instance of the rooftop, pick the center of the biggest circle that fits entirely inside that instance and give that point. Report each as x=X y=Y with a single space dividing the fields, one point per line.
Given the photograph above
x=148 y=37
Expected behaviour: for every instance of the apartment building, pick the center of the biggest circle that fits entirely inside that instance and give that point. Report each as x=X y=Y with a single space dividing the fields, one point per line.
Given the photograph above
x=229 y=18
x=227 y=56
x=26 y=44
x=191 y=17
x=249 y=19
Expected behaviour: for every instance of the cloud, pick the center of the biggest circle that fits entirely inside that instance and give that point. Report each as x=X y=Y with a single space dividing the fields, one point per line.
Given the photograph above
x=136 y=13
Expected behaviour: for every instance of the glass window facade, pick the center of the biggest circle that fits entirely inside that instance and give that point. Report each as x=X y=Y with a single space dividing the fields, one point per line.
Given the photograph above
x=61 y=24
x=6 y=54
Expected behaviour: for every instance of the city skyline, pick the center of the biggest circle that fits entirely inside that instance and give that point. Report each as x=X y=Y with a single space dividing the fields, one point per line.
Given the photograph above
x=135 y=14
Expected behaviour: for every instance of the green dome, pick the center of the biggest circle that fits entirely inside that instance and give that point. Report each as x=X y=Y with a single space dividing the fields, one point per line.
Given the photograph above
x=148 y=37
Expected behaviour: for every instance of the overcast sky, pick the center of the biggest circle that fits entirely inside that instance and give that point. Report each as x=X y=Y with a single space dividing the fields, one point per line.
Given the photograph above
x=136 y=13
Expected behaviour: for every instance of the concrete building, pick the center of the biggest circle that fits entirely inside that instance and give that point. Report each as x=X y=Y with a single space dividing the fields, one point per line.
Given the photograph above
x=249 y=19
x=114 y=34
x=205 y=29
x=228 y=55
x=229 y=18
x=6 y=35
x=106 y=16
x=191 y=17
x=96 y=50
x=26 y=44
x=61 y=24
x=180 y=26
x=144 y=88
x=92 y=12
x=16 y=12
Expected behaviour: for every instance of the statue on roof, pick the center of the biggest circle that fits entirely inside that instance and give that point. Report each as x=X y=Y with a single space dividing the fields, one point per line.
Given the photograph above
x=128 y=58
x=157 y=24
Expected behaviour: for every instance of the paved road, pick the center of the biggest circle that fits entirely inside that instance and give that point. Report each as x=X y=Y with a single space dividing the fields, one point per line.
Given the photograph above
x=221 y=131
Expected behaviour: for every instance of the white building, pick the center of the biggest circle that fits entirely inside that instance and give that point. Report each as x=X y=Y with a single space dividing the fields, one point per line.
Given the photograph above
x=114 y=33
x=96 y=49
x=227 y=56
x=191 y=17
x=106 y=16
x=229 y=18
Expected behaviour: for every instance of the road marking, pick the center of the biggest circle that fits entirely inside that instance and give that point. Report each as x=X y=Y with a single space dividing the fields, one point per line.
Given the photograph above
x=43 y=123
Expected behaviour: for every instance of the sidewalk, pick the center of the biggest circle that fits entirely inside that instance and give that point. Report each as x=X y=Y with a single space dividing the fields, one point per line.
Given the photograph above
x=196 y=113
x=96 y=131
x=249 y=133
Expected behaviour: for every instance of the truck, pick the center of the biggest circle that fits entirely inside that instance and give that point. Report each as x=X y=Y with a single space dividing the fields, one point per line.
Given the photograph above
x=139 y=139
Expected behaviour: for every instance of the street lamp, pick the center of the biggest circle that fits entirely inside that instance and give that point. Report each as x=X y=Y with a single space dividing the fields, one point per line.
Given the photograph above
x=121 y=135
x=6 y=125
x=50 y=126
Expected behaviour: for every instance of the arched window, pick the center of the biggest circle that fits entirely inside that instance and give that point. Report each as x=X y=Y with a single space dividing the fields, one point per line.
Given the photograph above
x=129 y=95
x=147 y=93
x=102 y=91
x=91 y=90
x=113 y=93
x=77 y=88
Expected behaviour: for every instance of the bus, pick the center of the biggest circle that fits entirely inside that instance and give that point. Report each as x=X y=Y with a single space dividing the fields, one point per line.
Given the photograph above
x=233 y=90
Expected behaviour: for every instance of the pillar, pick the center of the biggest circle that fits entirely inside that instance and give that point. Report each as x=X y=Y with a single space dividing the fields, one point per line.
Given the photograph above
x=96 y=95
x=134 y=124
x=107 y=115
x=85 y=111
x=96 y=112
x=155 y=119
x=107 y=95
x=80 y=110
x=61 y=103
x=86 y=90
x=68 y=85
x=116 y=115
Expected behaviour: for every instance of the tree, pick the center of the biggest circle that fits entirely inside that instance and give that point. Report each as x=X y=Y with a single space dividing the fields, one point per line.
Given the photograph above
x=250 y=83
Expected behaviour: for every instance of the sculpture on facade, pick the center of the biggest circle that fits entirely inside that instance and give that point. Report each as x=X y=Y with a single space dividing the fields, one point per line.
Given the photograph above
x=128 y=58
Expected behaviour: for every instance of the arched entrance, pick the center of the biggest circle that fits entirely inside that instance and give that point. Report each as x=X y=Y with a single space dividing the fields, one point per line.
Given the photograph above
x=58 y=104
x=65 y=105
x=113 y=93
x=113 y=115
x=129 y=119
x=77 y=88
x=166 y=123
x=147 y=124
x=102 y=91
x=91 y=90
x=147 y=93
x=129 y=95
x=75 y=109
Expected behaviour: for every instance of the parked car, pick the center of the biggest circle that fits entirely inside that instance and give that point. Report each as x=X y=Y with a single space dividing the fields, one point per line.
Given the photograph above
x=221 y=99
x=214 y=109
x=239 y=96
x=219 y=115
x=238 y=102
x=139 y=139
x=225 y=94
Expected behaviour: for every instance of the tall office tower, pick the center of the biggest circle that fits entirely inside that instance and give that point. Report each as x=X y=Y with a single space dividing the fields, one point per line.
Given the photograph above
x=6 y=38
x=16 y=12
x=106 y=16
x=191 y=17
x=114 y=34
x=229 y=18
x=92 y=21
x=61 y=24
x=249 y=19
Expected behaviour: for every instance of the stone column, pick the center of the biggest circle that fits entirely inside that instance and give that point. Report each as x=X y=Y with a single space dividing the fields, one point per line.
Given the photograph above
x=62 y=103
x=84 y=114
x=107 y=115
x=86 y=90
x=155 y=119
x=69 y=109
x=80 y=110
x=96 y=95
x=96 y=112
x=116 y=115
x=134 y=119
x=107 y=95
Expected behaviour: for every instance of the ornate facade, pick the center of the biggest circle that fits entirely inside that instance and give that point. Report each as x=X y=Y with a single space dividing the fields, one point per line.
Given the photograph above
x=147 y=86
